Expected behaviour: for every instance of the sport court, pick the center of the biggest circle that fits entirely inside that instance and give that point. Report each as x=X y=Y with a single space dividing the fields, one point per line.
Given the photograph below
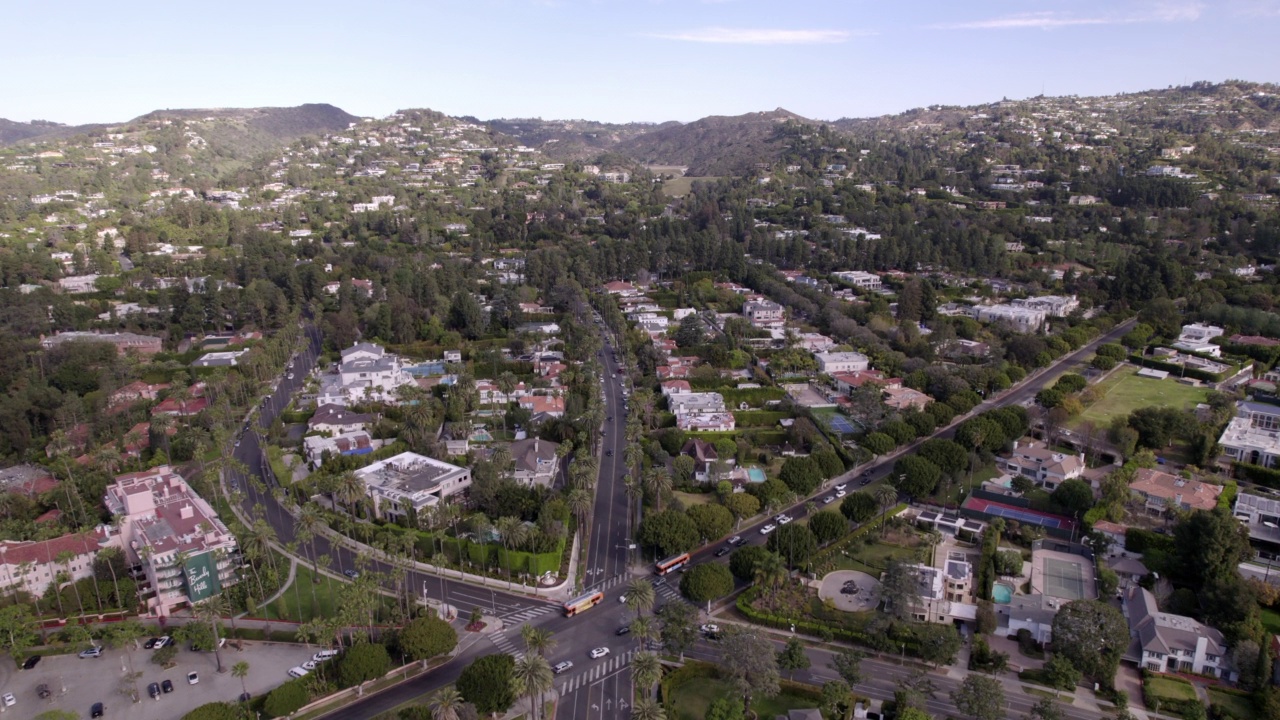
x=839 y=424
x=1022 y=515
x=1062 y=575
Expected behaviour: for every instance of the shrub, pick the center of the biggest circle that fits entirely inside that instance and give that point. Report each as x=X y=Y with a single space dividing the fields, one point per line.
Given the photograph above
x=285 y=699
x=363 y=662
x=706 y=581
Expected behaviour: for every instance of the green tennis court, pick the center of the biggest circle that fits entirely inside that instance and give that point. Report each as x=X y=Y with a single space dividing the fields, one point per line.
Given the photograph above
x=1063 y=579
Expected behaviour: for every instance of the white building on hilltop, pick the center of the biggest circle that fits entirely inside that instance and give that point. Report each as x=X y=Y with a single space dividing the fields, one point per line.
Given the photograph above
x=366 y=373
x=831 y=363
x=1253 y=435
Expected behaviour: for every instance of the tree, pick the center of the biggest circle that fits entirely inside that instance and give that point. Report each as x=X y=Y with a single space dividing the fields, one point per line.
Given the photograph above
x=647 y=668
x=362 y=662
x=828 y=526
x=1061 y=673
x=801 y=474
x=706 y=582
x=728 y=707
x=879 y=443
x=742 y=505
x=835 y=697
x=792 y=657
x=1093 y=636
x=848 y=665
x=647 y=709
x=17 y=629
x=750 y=663
x=980 y=697
x=1163 y=316
x=899 y=588
x=427 y=637
x=859 y=507
x=677 y=627
x=938 y=644
x=794 y=542
x=744 y=561
x=445 y=703
x=537 y=640
x=641 y=596
x=668 y=532
x=286 y=698
x=241 y=670
x=915 y=476
x=531 y=676
x=1073 y=495
x=712 y=521
x=948 y=455
x=486 y=683
x=684 y=467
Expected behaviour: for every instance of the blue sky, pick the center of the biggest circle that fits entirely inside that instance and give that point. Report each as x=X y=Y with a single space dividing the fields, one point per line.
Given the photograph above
x=616 y=60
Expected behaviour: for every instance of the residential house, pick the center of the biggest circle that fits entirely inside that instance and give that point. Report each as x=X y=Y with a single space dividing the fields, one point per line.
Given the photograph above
x=135 y=391
x=1260 y=514
x=548 y=405
x=1047 y=468
x=705 y=459
x=366 y=373
x=32 y=566
x=1162 y=491
x=860 y=279
x=934 y=592
x=1253 y=436
x=337 y=420
x=229 y=358
x=29 y=481
x=671 y=387
x=1051 y=305
x=905 y=398
x=185 y=551
x=1197 y=338
x=706 y=422
x=831 y=363
x=847 y=382
x=1164 y=642
x=79 y=284
x=124 y=342
x=1021 y=319
x=619 y=287
x=317 y=447
x=763 y=312
x=1033 y=613
x=410 y=480
x=536 y=462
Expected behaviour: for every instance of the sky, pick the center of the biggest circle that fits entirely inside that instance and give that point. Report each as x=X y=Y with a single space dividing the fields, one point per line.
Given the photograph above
x=76 y=61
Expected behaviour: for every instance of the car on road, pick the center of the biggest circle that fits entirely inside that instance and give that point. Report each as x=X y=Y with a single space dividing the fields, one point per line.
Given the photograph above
x=784 y=519
x=562 y=667
x=351 y=574
x=866 y=473
x=659 y=582
x=622 y=598
x=599 y=653
x=709 y=628
x=92 y=652
x=841 y=493
x=97 y=710
x=31 y=662
x=167 y=686
x=193 y=678
x=828 y=499
x=864 y=481
x=610 y=419
x=290 y=376
x=722 y=552
x=608 y=453
x=622 y=630
x=768 y=529
x=735 y=540
x=153 y=690
x=9 y=699
x=842 y=486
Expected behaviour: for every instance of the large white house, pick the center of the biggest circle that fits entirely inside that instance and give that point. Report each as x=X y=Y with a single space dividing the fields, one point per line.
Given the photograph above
x=1173 y=643
x=366 y=373
x=413 y=480
x=831 y=363
x=1022 y=319
x=1253 y=435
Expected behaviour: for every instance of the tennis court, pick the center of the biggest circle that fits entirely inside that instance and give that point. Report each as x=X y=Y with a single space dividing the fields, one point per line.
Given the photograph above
x=1062 y=575
x=840 y=424
x=1022 y=515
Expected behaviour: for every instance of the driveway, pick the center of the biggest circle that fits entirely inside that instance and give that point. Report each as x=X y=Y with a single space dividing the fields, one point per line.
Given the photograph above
x=76 y=684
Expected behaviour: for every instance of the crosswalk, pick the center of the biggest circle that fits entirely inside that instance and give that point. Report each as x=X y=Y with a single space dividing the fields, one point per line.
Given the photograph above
x=604 y=668
x=524 y=615
x=505 y=641
x=613 y=582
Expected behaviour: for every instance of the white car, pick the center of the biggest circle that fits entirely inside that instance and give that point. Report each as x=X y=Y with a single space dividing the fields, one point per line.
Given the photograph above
x=622 y=599
x=841 y=493
x=842 y=486
x=828 y=499
x=324 y=655
x=709 y=628
x=562 y=667
x=309 y=665
x=784 y=519
x=768 y=529
x=298 y=671
x=193 y=678
x=10 y=700
x=599 y=653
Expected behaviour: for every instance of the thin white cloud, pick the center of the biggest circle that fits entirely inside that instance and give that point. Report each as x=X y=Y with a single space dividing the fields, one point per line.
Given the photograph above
x=748 y=36
x=1155 y=13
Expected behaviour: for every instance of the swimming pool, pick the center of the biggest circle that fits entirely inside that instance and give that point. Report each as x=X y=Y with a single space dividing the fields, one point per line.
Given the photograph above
x=1001 y=593
x=755 y=475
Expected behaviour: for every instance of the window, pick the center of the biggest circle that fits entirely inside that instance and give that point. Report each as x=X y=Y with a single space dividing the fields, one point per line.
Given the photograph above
x=1211 y=658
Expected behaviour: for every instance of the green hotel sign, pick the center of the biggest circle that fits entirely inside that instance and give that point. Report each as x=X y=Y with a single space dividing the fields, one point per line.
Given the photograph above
x=201 y=573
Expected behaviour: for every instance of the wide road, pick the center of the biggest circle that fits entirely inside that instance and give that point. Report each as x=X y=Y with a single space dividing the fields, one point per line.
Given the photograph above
x=596 y=688
x=250 y=453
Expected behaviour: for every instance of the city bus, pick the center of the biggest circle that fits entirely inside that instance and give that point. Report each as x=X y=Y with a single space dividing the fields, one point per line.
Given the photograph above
x=671 y=564
x=579 y=604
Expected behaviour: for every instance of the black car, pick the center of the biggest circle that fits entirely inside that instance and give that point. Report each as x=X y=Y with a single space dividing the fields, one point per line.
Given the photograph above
x=864 y=481
x=722 y=552
x=153 y=690
x=150 y=644
x=608 y=453
x=42 y=691
x=97 y=710
x=167 y=686
x=623 y=630
x=31 y=662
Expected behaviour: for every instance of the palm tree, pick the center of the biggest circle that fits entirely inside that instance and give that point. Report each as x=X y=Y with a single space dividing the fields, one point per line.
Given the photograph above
x=647 y=670
x=513 y=532
x=771 y=572
x=310 y=521
x=532 y=678
x=210 y=611
x=349 y=489
x=444 y=705
x=640 y=595
x=885 y=495
x=647 y=709
x=643 y=629
x=64 y=558
x=506 y=383
x=537 y=640
x=580 y=502
x=241 y=670
x=657 y=481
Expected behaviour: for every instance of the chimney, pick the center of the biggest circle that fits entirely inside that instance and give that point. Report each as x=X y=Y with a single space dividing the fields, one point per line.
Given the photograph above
x=536 y=443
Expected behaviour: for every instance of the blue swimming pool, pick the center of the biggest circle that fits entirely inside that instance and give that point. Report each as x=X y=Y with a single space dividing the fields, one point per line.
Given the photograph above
x=1001 y=593
x=755 y=475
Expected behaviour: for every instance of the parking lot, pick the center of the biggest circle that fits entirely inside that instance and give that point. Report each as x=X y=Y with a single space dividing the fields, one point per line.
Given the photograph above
x=77 y=683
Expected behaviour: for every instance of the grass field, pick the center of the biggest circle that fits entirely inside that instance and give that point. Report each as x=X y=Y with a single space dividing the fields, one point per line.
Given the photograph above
x=691 y=700
x=1271 y=621
x=1126 y=392
x=681 y=186
x=1237 y=706
x=1169 y=688
x=691 y=499
x=297 y=602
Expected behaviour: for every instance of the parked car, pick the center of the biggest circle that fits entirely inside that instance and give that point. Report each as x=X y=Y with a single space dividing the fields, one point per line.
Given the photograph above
x=167 y=686
x=164 y=641
x=150 y=644
x=9 y=699
x=92 y=652
x=97 y=710
x=193 y=678
x=351 y=574
x=784 y=519
x=324 y=655
x=722 y=552
x=709 y=628
x=768 y=529
x=842 y=486
x=298 y=671
x=864 y=481
x=735 y=540
x=309 y=665
x=599 y=653
x=841 y=493
x=31 y=662
x=153 y=690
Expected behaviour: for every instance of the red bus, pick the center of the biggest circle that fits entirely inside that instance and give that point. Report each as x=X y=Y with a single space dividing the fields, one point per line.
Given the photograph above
x=671 y=564
x=579 y=604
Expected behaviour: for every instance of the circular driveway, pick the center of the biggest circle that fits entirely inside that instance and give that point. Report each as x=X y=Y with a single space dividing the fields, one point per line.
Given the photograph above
x=850 y=590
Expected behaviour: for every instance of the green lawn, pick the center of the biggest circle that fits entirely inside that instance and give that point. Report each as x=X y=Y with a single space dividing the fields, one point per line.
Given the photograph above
x=1271 y=621
x=1170 y=688
x=691 y=499
x=681 y=186
x=873 y=559
x=1238 y=706
x=1126 y=392
x=691 y=700
x=299 y=604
